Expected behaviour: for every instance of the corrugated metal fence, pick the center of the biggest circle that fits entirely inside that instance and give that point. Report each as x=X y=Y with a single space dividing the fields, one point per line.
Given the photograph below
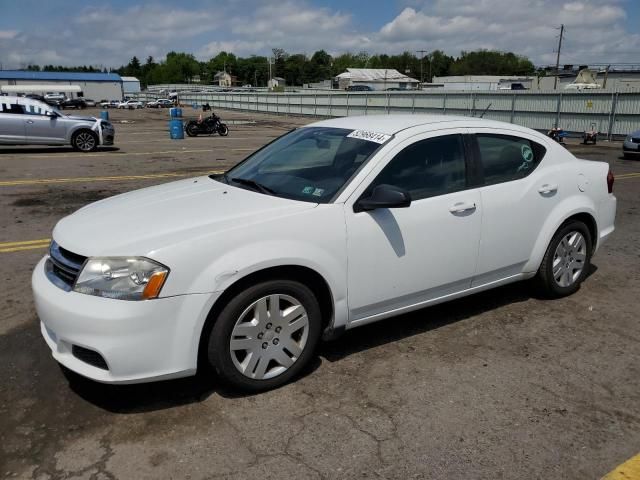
x=612 y=114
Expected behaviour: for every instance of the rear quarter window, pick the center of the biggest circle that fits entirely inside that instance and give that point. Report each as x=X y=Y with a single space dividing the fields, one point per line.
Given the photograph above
x=504 y=158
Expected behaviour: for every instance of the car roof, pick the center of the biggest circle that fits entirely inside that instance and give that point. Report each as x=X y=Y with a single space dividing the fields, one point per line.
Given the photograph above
x=394 y=123
x=23 y=101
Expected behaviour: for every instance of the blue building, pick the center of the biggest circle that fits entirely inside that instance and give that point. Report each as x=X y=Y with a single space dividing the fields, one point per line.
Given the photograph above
x=97 y=86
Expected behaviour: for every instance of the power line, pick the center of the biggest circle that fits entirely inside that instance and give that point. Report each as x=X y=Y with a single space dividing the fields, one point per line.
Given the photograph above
x=555 y=79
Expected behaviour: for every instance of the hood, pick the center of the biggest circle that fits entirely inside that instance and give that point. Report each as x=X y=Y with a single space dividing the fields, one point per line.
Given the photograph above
x=142 y=221
x=78 y=117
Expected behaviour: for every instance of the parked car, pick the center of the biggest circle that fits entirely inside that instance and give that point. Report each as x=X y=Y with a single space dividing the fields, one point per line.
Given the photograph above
x=631 y=145
x=89 y=102
x=78 y=103
x=52 y=102
x=110 y=104
x=130 y=104
x=359 y=88
x=26 y=121
x=160 y=103
x=334 y=225
x=56 y=97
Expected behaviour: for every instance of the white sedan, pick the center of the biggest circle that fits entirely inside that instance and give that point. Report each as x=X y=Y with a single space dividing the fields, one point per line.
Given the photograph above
x=334 y=225
x=131 y=104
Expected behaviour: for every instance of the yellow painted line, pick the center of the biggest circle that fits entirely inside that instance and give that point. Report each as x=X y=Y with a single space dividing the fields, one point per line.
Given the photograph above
x=627 y=175
x=629 y=470
x=25 y=242
x=115 y=178
x=112 y=153
x=26 y=247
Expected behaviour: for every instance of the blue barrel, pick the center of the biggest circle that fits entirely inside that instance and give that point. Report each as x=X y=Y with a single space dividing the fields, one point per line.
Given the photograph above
x=176 y=129
x=175 y=112
x=104 y=115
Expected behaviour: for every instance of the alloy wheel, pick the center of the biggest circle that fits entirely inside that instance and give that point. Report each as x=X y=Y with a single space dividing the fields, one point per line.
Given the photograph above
x=85 y=141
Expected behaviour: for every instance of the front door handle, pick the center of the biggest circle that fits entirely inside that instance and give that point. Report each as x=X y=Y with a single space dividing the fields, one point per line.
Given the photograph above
x=29 y=121
x=548 y=188
x=462 y=207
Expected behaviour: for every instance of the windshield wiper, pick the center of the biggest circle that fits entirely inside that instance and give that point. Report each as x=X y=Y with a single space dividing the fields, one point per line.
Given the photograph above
x=255 y=185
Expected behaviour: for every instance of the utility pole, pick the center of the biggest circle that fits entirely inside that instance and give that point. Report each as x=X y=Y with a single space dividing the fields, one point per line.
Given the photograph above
x=422 y=52
x=555 y=81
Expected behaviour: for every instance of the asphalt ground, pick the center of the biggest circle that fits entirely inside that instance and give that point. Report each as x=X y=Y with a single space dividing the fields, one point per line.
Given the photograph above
x=500 y=385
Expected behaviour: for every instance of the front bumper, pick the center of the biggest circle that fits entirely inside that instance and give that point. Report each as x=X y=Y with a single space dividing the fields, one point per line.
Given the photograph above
x=108 y=136
x=631 y=147
x=139 y=340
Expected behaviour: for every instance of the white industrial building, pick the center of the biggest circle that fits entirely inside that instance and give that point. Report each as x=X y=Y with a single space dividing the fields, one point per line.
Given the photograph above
x=130 y=85
x=483 y=82
x=97 y=86
x=376 y=79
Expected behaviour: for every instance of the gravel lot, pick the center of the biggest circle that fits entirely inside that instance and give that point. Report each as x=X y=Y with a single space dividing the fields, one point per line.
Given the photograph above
x=500 y=385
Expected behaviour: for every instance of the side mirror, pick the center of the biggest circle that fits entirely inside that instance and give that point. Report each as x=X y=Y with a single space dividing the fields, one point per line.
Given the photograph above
x=384 y=196
x=50 y=114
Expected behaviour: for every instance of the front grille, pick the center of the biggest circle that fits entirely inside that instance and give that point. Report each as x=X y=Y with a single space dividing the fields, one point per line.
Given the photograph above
x=63 y=266
x=635 y=140
x=89 y=356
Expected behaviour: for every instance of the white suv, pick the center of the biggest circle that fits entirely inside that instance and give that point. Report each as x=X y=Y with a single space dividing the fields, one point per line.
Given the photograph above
x=332 y=226
x=26 y=121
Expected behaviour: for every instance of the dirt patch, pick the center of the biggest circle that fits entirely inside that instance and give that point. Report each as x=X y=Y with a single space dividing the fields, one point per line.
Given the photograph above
x=28 y=202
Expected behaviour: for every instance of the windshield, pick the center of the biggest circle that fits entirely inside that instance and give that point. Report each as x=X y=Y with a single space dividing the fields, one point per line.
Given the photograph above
x=311 y=164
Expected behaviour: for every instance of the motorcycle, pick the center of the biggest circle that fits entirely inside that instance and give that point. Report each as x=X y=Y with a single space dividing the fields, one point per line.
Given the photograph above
x=557 y=134
x=207 y=126
x=590 y=136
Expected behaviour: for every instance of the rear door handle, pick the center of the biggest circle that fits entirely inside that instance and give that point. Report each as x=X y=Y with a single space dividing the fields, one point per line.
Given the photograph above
x=29 y=121
x=461 y=207
x=548 y=188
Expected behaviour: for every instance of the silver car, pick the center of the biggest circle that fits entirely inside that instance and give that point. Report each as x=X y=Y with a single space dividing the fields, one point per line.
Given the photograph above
x=26 y=121
x=631 y=146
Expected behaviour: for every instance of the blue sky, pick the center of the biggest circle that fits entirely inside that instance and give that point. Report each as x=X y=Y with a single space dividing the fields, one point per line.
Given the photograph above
x=108 y=33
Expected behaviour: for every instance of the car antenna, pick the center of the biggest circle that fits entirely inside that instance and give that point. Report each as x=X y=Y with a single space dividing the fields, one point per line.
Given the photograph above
x=485 y=111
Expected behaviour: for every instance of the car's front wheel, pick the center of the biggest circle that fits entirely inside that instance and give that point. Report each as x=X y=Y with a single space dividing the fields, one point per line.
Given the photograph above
x=265 y=335
x=84 y=141
x=566 y=262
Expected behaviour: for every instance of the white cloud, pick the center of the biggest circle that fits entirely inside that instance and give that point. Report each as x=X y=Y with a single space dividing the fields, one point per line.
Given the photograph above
x=594 y=30
x=7 y=34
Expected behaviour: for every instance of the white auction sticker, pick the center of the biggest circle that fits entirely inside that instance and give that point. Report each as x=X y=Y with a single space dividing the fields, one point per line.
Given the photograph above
x=370 y=136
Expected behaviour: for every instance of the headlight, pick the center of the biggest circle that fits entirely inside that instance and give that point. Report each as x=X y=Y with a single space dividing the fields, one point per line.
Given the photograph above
x=123 y=278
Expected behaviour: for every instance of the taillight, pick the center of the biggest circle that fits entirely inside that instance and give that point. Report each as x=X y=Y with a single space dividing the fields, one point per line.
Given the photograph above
x=610 y=179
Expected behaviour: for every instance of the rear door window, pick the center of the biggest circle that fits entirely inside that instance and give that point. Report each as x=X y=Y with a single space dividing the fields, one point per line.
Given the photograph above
x=505 y=158
x=13 y=108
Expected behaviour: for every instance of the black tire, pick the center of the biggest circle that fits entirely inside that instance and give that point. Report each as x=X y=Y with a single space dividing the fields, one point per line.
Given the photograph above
x=219 y=351
x=223 y=130
x=192 y=130
x=80 y=141
x=544 y=280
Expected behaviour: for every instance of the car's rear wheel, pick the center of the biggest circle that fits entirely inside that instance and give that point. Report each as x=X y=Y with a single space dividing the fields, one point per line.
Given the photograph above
x=265 y=335
x=566 y=262
x=84 y=141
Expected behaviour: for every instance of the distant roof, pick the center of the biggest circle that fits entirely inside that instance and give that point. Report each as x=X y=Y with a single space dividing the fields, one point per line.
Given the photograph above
x=221 y=74
x=129 y=79
x=375 y=75
x=71 y=76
